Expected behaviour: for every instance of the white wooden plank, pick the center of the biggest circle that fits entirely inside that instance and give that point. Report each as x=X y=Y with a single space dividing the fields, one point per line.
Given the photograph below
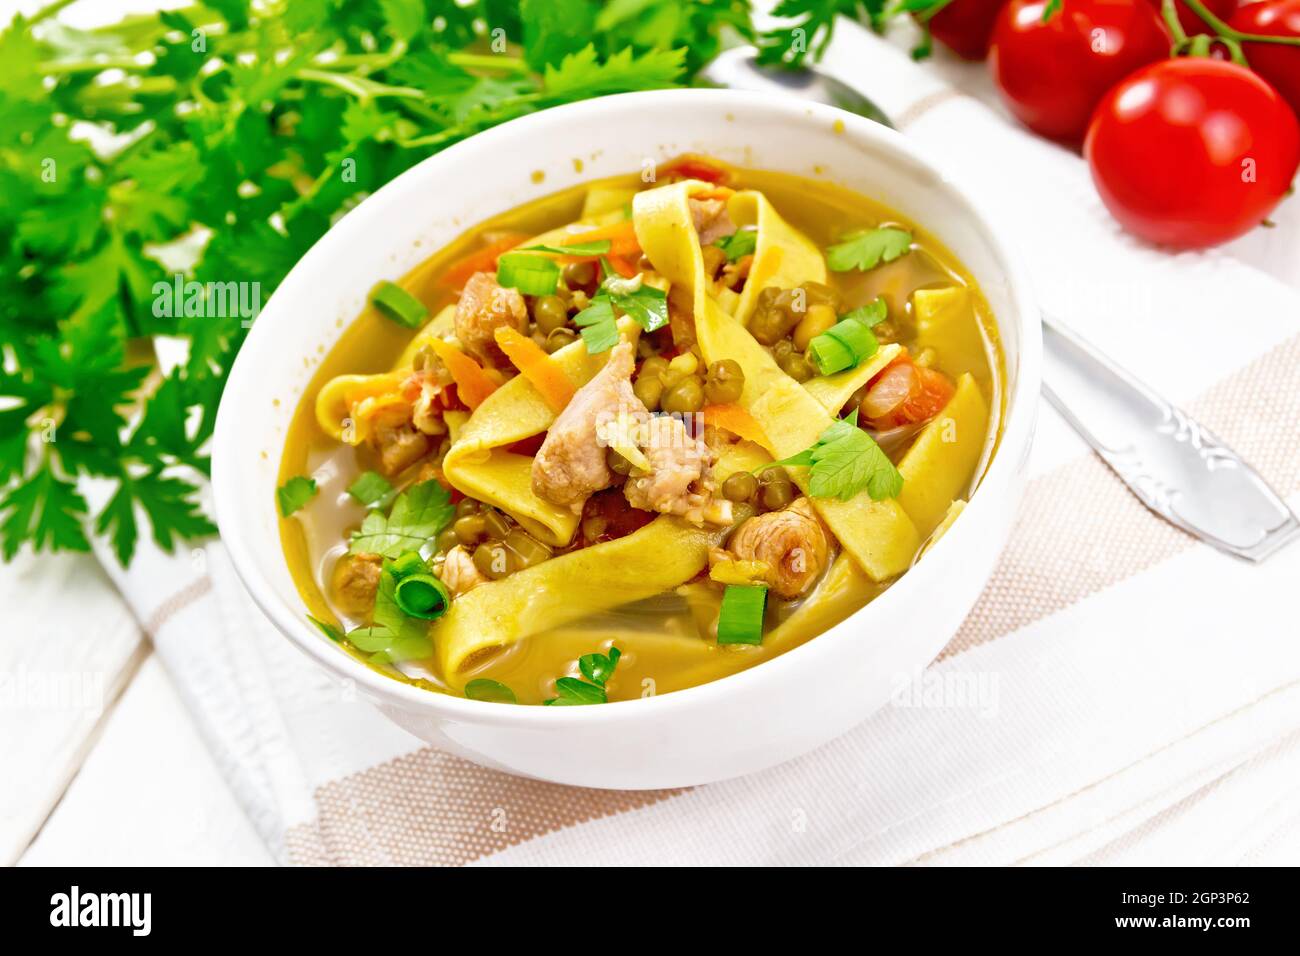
x=149 y=794
x=69 y=645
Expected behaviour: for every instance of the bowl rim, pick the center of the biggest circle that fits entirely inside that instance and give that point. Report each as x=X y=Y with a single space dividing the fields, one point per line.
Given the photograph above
x=1021 y=407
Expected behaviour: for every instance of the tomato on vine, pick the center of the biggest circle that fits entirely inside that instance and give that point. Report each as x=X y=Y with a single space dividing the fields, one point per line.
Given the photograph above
x=1192 y=152
x=964 y=26
x=1275 y=62
x=1053 y=66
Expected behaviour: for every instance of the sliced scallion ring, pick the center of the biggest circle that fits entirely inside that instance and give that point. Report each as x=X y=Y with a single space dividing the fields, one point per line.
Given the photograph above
x=398 y=304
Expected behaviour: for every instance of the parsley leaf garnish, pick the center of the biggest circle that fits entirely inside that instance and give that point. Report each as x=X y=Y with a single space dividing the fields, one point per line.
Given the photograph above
x=234 y=155
x=844 y=461
x=295 y=493
x=866 y=250
x=418 y=514
x=644 y=304
x=372 y=490
x=597 y=669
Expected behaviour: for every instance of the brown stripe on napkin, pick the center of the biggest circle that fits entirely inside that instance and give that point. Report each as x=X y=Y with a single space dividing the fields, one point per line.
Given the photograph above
x=1078 y=532
x=432 y=809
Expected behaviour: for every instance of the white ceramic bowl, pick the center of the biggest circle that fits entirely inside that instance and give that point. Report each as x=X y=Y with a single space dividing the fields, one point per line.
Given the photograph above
x=733 y=726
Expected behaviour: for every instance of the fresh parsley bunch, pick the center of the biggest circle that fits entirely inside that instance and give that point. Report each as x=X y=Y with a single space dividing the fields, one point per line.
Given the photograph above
x=220 y=141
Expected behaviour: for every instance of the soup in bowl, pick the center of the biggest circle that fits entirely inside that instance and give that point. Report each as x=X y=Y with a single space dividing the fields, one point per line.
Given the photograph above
x=621 y=441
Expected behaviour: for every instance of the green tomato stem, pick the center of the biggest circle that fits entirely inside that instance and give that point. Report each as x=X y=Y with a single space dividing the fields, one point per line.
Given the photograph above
x=1169 y=11
x=1229 y=33
x=494 y=61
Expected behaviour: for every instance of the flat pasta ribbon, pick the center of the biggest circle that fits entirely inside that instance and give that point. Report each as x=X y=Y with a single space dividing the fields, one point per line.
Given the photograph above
x=664 y=554
x=878 y=534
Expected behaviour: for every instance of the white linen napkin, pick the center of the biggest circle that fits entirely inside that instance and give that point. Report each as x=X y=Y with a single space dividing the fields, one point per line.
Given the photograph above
x=1117 y=686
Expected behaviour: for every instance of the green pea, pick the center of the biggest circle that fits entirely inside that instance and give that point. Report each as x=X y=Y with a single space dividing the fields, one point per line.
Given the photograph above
x=684 y=397
x=470 y=530
x=724 y=382
x=777 y=494
x=492 y=560
x=650 y=390
x=550 y=313
x=740 y=487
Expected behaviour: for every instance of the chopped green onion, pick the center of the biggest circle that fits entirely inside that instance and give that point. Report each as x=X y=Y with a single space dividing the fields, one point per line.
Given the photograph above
x=398 y=304
x=295 y=493
x=596 y=248
x=739 y=244
x=422 y=596
x=740 y=620
x=844 y=345
x=491 y=691
x=371 y=489
x=530 y=274
x=407 y=563
x=417 y=592
x=871 y=314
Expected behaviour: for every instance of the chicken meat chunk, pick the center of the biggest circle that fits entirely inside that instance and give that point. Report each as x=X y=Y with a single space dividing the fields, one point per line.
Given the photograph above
x=459 y=572
x=484 y=307
x=791 y=542
x=680 y=477
x=570 y=466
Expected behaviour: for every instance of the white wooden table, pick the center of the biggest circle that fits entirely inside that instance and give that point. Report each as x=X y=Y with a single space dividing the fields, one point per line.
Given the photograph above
x=101 y=762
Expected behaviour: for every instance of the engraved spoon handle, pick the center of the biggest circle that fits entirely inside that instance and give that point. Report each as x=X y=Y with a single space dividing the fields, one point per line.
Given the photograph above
x=1173 y=464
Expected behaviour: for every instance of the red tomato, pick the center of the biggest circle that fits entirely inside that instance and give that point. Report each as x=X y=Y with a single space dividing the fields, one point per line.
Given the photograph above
x=964 y=26
x=1052 y=75
x=1278 y=64
x=1193 y=24
x=903 y=394
x=1192 y=152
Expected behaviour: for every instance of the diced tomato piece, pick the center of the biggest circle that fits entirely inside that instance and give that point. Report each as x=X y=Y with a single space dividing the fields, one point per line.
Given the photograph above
x=529 y=446
x=694 y=167
x=904 y=394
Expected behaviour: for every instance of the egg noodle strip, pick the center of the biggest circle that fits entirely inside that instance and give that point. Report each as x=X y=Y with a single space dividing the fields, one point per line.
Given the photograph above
x=878 y=534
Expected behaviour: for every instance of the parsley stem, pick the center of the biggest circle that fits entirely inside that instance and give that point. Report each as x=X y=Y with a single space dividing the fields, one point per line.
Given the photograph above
x=488 y=61
x=49 y=10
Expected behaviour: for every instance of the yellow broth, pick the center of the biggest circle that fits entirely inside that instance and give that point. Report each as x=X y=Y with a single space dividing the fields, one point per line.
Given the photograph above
x=662 y=639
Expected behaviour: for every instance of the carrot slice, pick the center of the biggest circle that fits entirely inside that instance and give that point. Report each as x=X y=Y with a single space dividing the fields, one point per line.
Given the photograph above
x=480 y=260
x=542 y=371
x=735 y=419
x=621 y=266
x=473 y=384
x=621 y=235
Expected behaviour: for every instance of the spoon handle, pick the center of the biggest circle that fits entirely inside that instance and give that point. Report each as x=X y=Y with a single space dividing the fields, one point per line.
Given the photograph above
x=1168 y=460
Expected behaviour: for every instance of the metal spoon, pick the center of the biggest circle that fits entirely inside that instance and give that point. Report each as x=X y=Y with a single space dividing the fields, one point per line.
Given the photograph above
x=1174 y=466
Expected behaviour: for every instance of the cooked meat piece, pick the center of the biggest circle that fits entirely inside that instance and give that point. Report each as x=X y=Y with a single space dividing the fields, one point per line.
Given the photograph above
x=710 y=219
x=680 y=481
x=570 y=466
x=400 y=446
x=484 y=307
x=792 y=542
x=459 y=572
x=355 y=582
x=426 y=413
